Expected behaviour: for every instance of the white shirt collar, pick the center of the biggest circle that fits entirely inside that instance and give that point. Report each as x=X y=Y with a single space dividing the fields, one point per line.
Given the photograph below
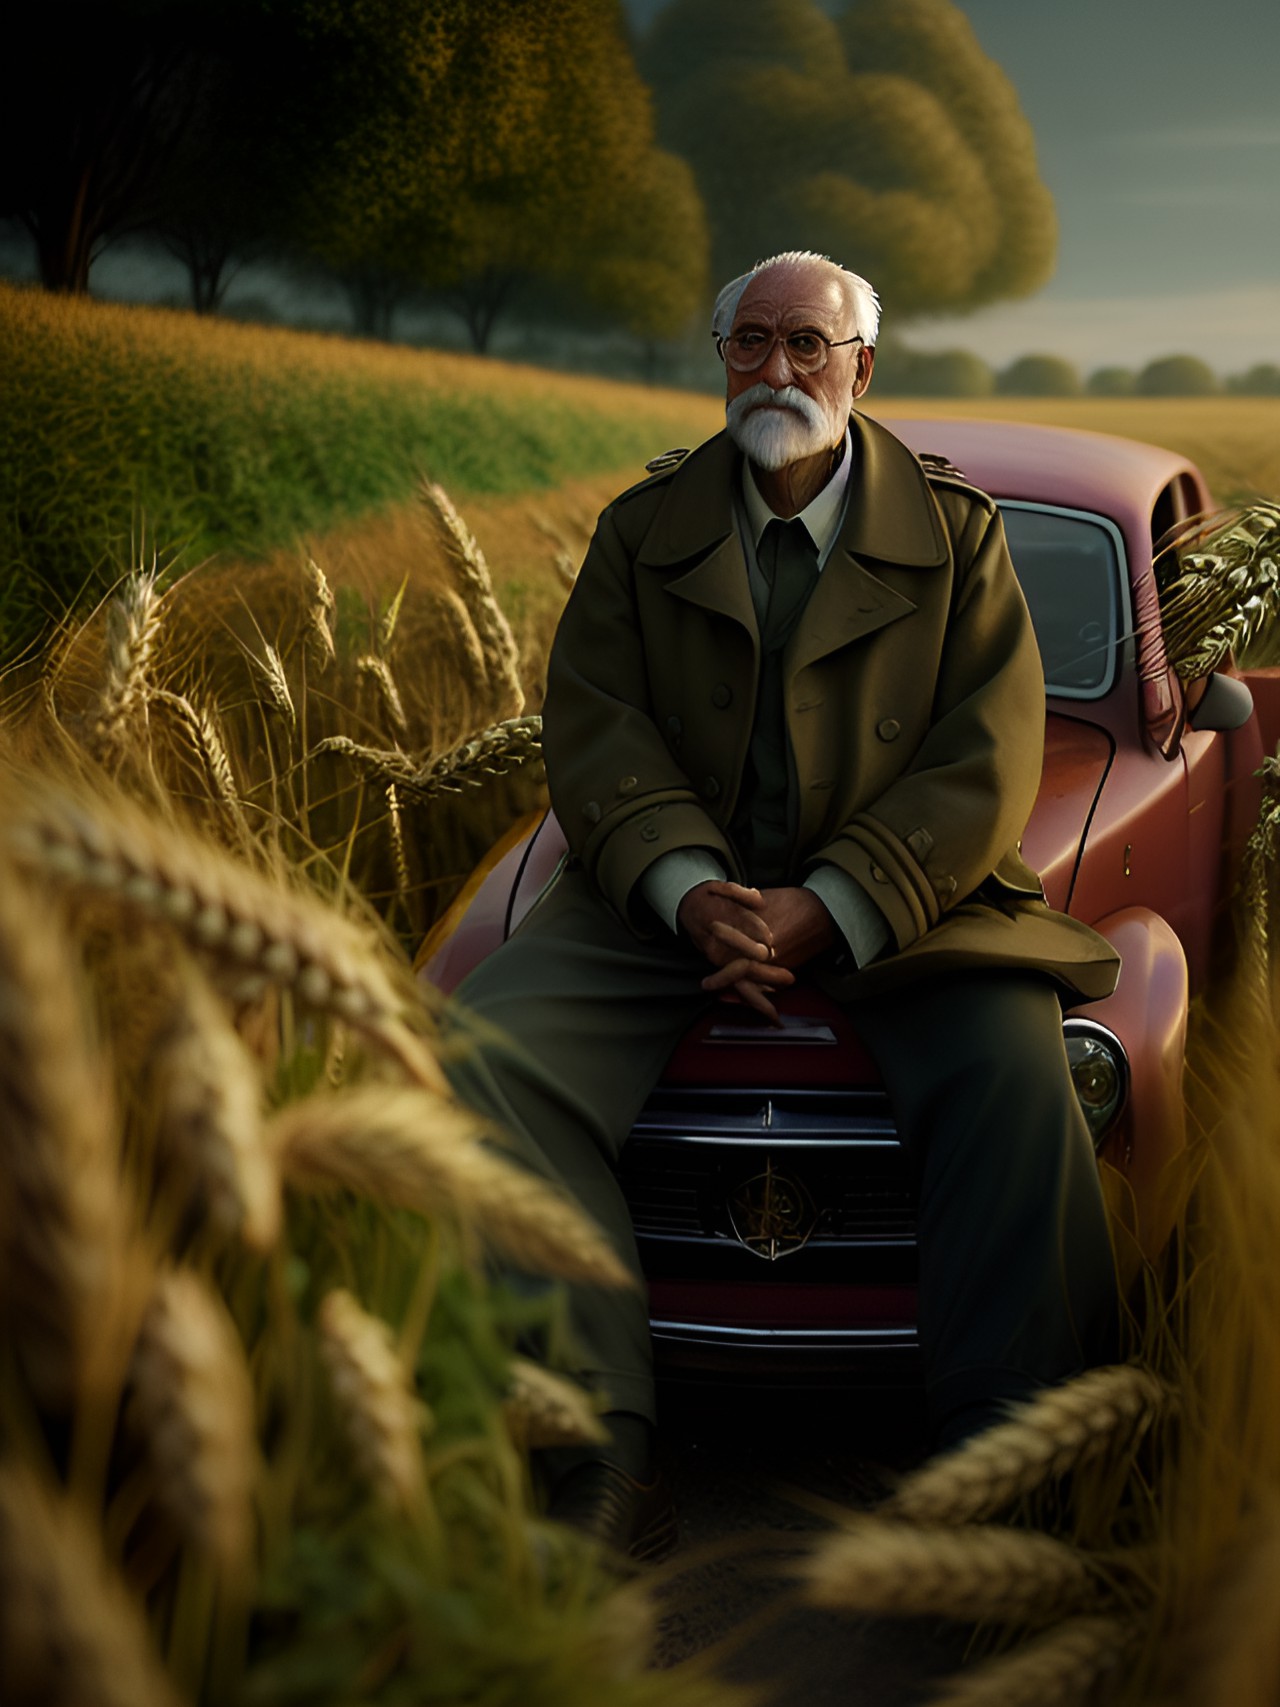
x=822 y=516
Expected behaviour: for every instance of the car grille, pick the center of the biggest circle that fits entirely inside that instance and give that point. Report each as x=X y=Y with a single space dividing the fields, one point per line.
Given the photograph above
x=703 y=1166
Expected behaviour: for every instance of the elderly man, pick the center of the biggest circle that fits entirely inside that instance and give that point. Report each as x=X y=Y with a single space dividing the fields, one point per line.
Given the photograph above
x=794 y=718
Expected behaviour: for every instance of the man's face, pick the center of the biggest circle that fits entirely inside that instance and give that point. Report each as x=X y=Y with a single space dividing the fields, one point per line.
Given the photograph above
x=774 y=414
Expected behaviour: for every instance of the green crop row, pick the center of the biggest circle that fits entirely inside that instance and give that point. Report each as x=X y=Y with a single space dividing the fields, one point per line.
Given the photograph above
x=128 y=432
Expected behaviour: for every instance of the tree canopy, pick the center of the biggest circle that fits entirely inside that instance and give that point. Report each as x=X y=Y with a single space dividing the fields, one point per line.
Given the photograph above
x=885 y=138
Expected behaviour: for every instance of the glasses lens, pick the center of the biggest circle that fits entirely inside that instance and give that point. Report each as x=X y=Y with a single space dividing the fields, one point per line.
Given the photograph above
x=748 y=350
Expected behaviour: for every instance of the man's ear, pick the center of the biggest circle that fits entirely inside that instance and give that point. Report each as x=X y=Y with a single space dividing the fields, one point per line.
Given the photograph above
x=866 y=361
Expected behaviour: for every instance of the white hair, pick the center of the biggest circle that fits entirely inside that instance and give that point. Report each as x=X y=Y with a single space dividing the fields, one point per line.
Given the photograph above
x=861 y=300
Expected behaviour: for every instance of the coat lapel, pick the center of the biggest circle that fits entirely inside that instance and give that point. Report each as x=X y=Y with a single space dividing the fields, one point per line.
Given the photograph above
x=695 y=525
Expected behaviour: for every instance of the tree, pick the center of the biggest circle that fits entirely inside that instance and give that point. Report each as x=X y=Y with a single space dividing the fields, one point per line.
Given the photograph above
x=887 y=140
x=1039 y=376
x=1262 y=380
x=521 y=149
x=1177 y=376
x=97 y=104
x=931 y=373
x=1111 y=382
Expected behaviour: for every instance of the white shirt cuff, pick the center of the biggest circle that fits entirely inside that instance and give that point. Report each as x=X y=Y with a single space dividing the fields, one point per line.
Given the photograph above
x=859 y=921
x=669 y=879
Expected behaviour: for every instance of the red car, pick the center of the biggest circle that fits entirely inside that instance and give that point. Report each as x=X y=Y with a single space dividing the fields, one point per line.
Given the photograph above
x=769 y=1193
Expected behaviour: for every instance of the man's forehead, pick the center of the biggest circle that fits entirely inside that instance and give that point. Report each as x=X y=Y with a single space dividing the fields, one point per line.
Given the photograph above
x=803 y=290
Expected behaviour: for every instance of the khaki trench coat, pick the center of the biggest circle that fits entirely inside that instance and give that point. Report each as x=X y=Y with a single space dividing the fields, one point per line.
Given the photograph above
x=914 y=704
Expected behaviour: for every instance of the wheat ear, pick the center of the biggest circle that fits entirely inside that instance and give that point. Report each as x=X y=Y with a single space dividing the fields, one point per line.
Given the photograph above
x=133 y=625
x=270 y=670
x=412 y=1150
x=64 y=1226
x=502 y=656
x=1060 y=1668
x=378 y=671
x=192 y=1401
x=223 y=907
x=71 y=1635
x=975 y=1572
x=1101 y=1411
x=211 y=1117
x=390 y=617
x=399 y=850
x=202 y=731
x=542 y=1409
x=321 y=610
x=493 y=752
x=380 y=1416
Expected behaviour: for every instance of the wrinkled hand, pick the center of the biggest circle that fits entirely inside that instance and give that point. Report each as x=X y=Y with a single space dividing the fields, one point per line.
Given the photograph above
x=724 y=922
x=798 y=925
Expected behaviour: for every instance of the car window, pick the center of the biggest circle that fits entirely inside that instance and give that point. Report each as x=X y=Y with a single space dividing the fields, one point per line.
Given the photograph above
x=1069 y=566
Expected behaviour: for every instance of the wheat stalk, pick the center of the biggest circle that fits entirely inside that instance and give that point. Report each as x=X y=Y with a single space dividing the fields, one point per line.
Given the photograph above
x=64 y=1227
x=381 y=1418
x=321 y=610
x=975 y=1572
x=70 y=1633
x=235 y=915
x=399 y=852
x=133 y=623
x=542 y=1409
x=378 y=671
x=390 y=617
x=211 y=1118
x=416 y=1151
x=501 y=654
x=1224 y=589
x=458 y=641
x=1101 y=1411
x=192 y=1401
x=1060 y=1668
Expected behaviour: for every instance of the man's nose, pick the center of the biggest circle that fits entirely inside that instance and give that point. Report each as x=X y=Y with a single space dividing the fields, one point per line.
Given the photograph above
x=777 y=370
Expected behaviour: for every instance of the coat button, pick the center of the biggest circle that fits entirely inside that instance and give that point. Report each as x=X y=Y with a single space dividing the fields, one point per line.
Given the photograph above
x=710 y=789
x=880 y=875
x=721 y=695
x=626 y=784
x=648 y=832
x=591 y=811
x=946 y=887
x=888 y=729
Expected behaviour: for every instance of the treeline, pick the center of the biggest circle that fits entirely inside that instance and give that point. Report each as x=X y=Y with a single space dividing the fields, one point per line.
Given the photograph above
x=904 y=372
x=524 y=156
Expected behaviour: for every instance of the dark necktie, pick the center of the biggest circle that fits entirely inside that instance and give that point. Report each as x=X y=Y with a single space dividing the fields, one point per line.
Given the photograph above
x=788 y=560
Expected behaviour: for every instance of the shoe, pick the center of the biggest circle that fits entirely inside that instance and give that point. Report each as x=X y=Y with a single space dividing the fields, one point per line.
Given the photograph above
x=634 y=1519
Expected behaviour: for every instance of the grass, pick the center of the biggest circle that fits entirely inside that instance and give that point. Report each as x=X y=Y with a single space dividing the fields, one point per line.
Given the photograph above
x=130 y=430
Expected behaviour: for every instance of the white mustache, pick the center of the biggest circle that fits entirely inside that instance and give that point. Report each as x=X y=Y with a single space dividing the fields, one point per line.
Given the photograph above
x=785 y=397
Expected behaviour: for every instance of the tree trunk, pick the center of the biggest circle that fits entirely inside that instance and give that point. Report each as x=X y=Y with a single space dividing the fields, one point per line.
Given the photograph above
x=373 y=304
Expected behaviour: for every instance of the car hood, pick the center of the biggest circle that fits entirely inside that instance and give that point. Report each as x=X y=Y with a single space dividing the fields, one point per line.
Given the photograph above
x=1077 y=756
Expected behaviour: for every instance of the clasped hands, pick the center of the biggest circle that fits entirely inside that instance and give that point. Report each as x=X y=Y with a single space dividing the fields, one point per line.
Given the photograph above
x=754 y=937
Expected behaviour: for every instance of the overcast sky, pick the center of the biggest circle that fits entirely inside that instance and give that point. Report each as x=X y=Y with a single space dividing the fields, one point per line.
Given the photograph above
x=1157 y=124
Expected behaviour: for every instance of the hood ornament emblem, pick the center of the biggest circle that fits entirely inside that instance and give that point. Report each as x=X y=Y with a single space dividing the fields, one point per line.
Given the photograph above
x=771 y=1214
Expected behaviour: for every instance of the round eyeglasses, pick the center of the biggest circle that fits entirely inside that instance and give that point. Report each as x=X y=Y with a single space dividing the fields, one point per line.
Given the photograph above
x=807 y=351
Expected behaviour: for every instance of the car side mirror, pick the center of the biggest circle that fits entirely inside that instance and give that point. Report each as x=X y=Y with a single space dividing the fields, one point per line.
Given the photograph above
x=1226 y=703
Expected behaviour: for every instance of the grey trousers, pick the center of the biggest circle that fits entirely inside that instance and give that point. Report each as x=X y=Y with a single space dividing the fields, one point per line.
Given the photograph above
x=560 y=1035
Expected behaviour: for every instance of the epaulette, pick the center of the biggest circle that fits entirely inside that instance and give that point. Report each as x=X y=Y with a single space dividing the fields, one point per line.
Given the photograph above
x=944 y=471
x=659 y=467
x=668 y=459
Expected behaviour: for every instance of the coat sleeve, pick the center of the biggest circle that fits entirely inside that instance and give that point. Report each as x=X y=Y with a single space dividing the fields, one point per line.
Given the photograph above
x=951 y=820
x=620 y=796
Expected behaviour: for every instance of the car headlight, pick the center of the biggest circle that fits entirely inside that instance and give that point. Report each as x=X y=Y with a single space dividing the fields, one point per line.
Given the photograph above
x=1099 y=1074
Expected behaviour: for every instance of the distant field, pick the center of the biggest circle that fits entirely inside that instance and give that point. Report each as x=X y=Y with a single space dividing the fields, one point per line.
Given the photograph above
x=1235 y=440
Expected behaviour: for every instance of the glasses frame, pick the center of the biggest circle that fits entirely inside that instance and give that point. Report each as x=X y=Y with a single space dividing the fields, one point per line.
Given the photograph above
x=829 y=344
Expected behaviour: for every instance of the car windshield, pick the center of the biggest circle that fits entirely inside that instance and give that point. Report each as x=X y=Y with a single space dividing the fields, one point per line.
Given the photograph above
x=1070 y=573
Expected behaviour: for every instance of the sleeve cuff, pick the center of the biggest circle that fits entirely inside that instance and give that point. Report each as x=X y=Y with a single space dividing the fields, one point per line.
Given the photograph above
x=859 y=921
x=669 y=879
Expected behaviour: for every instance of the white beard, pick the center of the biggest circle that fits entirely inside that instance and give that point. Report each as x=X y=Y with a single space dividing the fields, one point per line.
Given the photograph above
x=790 y=426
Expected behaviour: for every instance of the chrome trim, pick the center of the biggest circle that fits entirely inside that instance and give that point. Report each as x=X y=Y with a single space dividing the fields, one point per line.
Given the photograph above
x=770 y=1141
x=778 y=1338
